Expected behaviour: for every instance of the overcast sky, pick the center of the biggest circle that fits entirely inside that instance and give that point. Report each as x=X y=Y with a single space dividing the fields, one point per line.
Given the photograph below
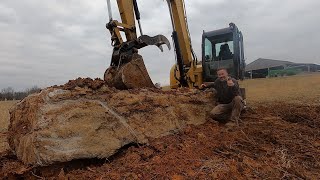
x=47 y=42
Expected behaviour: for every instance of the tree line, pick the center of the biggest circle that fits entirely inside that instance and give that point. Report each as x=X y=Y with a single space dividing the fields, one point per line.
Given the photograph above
x=10 y=94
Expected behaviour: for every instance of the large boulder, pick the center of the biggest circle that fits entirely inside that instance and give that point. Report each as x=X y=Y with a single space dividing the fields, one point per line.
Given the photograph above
x=70 y=122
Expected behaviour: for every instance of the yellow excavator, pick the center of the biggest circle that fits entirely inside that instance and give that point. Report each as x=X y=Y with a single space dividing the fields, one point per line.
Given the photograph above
x=222 y=48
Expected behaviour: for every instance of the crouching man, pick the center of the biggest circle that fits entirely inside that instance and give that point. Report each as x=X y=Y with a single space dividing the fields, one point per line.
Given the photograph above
x=229 y=101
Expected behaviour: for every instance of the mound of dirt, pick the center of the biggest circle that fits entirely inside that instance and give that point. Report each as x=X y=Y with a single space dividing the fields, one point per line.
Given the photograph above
x=265 y=145
x=82 y=83
x=86 y=119
x=275 y=141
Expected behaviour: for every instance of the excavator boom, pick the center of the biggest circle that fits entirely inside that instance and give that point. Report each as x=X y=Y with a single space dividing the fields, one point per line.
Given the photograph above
x=186 y=72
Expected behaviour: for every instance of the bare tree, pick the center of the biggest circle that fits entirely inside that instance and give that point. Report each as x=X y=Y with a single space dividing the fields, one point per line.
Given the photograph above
x=7 y=93
x=33 y=89
x=20 y=95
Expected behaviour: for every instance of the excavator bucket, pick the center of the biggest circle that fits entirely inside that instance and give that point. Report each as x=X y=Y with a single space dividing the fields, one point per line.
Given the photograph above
x=131 y=75
x=130 y=72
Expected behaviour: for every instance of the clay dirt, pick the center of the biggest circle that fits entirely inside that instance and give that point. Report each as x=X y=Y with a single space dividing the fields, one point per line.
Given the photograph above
x=278 y=139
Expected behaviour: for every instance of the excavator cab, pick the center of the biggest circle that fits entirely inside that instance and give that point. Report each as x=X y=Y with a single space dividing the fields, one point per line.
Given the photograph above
x=223 y=48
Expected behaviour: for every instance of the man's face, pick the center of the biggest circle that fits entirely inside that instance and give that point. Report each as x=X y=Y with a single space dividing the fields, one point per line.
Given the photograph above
x=222 y=74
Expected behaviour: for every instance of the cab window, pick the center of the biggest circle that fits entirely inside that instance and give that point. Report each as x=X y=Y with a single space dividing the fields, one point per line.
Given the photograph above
x=224 y=51
x=208 y=50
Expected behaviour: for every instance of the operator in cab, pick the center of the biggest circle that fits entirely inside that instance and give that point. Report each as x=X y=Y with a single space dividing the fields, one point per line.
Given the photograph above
x=229 y=100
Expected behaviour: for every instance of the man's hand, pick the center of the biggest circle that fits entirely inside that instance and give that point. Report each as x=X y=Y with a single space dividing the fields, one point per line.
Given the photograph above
x=206 y=85
x=203 y=86
x=230 y=82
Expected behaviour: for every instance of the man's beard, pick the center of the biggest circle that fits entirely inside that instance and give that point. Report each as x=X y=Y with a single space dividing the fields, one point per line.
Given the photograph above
x=222 y=79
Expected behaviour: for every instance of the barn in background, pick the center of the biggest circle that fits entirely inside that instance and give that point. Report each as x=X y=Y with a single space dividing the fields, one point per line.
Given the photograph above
x=262 y=68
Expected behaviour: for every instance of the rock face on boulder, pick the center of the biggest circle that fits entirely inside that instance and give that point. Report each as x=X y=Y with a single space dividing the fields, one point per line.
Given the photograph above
x=86 y=119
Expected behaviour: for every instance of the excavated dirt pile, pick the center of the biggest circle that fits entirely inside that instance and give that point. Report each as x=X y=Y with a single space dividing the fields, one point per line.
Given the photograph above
x=86 y=119
x=275 y=141
x=156 y=135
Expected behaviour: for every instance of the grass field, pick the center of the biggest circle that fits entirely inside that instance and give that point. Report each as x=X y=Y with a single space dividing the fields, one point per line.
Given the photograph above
x=302 y=88
x=4 y=121
x=4 y=114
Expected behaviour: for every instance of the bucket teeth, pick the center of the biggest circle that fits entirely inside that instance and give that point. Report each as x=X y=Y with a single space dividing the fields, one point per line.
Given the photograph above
x=158 y=40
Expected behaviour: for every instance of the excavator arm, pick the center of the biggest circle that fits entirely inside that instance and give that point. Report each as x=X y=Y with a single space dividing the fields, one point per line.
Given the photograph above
x=186 y=72
x=127 y=69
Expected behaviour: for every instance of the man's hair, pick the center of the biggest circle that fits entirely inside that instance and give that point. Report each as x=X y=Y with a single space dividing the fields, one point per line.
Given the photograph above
x=219 y=69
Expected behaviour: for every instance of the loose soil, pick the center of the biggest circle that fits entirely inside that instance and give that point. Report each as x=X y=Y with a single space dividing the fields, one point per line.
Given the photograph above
x=270 y=143
x=276 y=140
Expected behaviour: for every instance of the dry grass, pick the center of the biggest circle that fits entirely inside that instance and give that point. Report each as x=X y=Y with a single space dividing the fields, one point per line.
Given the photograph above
x=300 y=88
x=4 y=114
x=296 y=89
x=4 y=122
